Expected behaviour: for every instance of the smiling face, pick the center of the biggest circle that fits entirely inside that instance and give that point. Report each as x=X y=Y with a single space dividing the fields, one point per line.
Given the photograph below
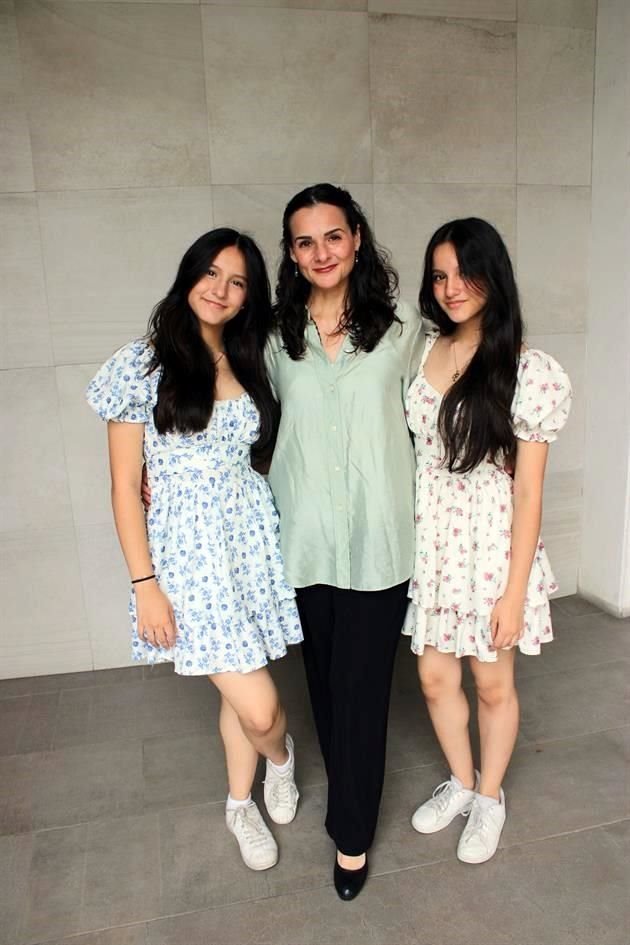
x=222 y=292
x=461 y=300
x=323 y=245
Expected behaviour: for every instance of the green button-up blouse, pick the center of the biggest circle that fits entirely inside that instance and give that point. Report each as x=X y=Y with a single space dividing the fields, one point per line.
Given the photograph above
x=343 y=470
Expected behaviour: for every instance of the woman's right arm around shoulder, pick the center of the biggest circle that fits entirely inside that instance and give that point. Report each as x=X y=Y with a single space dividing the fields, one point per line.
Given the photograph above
x=156 y=621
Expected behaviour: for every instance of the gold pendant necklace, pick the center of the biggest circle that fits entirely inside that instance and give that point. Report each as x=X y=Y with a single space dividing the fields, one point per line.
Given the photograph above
x=456 y=374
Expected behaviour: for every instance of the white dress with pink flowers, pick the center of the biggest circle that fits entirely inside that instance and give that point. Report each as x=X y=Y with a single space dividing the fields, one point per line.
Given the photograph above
x=464 y=521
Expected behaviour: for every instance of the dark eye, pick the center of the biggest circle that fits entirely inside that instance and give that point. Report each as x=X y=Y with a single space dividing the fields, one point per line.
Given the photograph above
x=212 y=272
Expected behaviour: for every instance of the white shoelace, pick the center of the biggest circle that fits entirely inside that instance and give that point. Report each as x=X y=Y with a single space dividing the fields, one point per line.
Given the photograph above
x=442 y=795
x=477 y=827
x=282 y=788
x=252 y=829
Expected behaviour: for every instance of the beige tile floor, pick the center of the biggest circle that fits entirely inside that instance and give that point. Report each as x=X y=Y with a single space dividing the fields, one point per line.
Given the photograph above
x=111 y=815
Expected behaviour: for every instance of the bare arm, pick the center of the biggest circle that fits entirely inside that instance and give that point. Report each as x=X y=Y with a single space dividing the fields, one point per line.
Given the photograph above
x=529 y=474
x=155 y=614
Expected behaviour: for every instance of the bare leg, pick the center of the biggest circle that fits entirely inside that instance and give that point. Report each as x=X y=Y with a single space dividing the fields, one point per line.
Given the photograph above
x=441 y=680
x=241 y=757
x=252 y=722
x=498 y=718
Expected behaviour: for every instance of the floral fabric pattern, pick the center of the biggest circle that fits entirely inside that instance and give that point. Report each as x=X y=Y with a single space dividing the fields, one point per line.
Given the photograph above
x=464 y=522
x=213 y=529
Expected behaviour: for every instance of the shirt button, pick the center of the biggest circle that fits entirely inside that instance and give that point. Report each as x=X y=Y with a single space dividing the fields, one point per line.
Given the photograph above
x=332 y=388
x=340 y=508
x=333 y=428
x=337 y=468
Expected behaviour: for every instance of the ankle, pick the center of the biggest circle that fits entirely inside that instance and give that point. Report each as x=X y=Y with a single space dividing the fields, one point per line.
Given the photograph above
x=351 y=862
x=469 y=782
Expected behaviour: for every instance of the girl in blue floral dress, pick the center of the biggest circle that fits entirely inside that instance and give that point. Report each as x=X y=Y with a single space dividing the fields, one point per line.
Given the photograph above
x=192 y=401
x=483 y=410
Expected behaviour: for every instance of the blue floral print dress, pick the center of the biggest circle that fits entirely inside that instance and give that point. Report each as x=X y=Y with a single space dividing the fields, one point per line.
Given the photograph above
x=212 y=528
x=464 y=521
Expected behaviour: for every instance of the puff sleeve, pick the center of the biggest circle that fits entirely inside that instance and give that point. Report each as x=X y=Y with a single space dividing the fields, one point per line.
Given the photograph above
x=542 y=399
x=121 y=390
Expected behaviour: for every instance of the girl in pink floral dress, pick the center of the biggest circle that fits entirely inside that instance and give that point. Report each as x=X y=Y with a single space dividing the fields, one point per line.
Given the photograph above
x=483 y=410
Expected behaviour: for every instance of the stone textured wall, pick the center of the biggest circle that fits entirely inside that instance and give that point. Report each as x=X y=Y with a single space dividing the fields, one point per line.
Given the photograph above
x=129 y=128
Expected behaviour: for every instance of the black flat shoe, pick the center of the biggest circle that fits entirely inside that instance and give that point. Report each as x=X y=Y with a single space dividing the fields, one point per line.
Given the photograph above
x=349 y=883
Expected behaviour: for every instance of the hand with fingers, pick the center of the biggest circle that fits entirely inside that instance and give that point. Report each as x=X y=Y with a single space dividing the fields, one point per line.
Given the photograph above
x=506 y=622
x=156 y=620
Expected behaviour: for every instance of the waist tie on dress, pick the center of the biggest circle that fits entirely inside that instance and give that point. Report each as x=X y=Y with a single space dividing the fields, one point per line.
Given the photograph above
x=163 y=466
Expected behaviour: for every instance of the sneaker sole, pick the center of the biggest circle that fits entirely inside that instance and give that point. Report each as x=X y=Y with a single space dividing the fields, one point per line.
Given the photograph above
x=258 y=869
x=250 y=865
x=475 y=861
x=282 y=823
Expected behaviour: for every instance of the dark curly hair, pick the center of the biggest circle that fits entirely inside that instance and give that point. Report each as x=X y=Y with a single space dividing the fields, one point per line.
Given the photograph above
x=188 y=373
x=475 y=415
x=370 y=306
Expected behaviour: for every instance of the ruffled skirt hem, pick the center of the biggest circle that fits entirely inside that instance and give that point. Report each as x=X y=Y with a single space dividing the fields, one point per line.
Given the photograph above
x=468 y=634
x=250 y=645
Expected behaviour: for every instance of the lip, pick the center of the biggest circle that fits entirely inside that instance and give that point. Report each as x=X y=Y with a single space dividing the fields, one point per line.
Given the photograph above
x=456 y=303
x=216 y=304
x=325 y=269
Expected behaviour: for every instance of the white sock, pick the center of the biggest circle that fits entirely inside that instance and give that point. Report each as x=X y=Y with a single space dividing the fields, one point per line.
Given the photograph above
x=487 y=802
x=232 y=804
x=286 y=767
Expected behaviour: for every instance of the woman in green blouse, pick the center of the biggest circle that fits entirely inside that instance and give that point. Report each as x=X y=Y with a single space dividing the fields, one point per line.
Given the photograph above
x=343 y=478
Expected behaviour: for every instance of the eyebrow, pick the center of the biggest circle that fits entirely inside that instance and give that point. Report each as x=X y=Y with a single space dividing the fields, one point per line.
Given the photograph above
x=307 y=236
x=235 y=275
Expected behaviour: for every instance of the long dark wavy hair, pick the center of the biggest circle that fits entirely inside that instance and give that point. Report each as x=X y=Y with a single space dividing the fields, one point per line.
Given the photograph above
x=186 y=389
x=370 y=305
x=475 y=415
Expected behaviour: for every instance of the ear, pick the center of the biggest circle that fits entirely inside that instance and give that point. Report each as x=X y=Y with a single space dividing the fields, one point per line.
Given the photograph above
x=292 y=255
x=357 y=238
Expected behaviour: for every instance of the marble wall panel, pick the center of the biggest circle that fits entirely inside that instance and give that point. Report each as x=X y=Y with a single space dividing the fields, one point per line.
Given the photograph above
x=109 y=257
x=258 y=209
x=555 y=104
x=297 y=104
x=470 y=9
x=44 y=627
x=295 y=4
x=16 y=161
x=115 y=94
x=442 y=96
x=407 y=215
x=553 y=256
x=85 y=447
x=580 y=14
x=105 y=583
x=561 y=526
x=34 y=487
x=24 y=330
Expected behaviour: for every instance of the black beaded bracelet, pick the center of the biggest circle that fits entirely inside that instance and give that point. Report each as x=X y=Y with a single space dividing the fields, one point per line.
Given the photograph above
x=140 y=580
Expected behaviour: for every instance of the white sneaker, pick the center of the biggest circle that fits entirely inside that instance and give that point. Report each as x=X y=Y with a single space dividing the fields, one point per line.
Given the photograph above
x=281 y=794
x=258 y=848
x=448 y=800
x=480 y=837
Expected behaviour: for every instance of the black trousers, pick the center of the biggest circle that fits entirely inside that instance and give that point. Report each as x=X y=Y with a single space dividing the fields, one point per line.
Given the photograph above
x=350 y=640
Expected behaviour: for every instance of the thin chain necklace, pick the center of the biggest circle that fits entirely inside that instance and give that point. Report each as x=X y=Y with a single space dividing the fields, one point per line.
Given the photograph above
x=457 y=373
x=220 y=358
